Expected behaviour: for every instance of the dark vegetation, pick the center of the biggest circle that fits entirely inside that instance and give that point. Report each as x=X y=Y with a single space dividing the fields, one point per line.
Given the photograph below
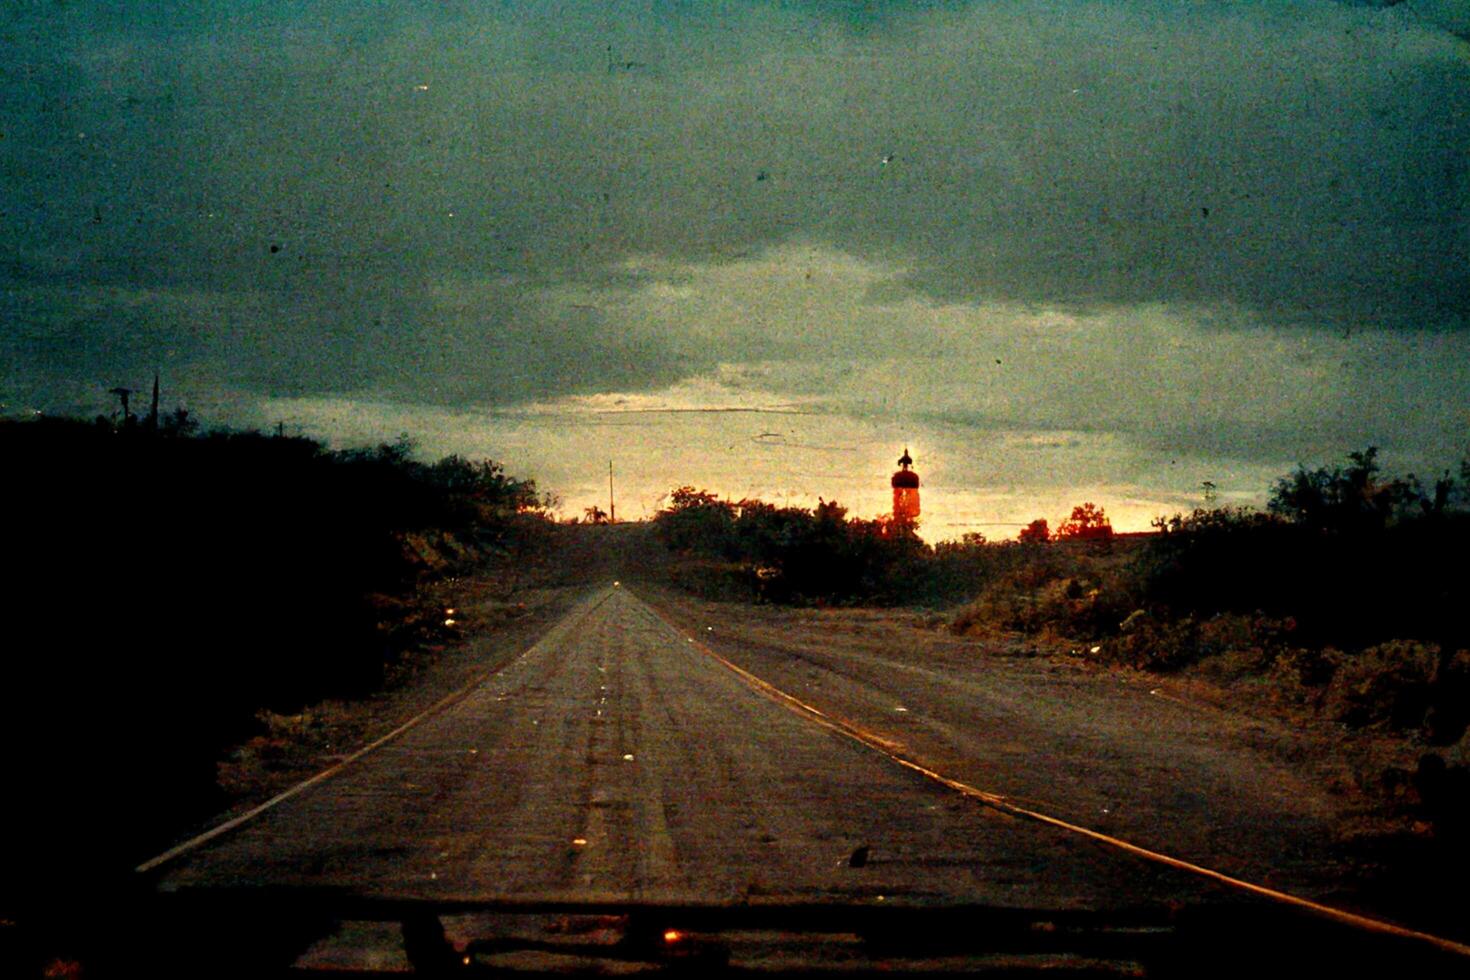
x=1346 y=597
x=820 y=556
x=168 y=586
x=753 y=549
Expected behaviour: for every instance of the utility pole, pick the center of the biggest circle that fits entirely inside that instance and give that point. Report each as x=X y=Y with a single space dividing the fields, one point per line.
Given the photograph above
x=152 y=424
x=612 y=507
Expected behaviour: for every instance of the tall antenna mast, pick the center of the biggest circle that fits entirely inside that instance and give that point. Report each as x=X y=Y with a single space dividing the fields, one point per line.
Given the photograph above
x=612 y=507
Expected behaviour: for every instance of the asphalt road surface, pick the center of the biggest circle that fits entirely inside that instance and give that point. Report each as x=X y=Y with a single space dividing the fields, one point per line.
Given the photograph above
x=1108 y=750
x=617 y=760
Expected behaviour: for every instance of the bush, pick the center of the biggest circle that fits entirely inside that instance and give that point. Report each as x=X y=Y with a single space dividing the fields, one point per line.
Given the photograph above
x=1305 y=672
x=1388 y=684
x=1154 y=645
x=1347 y=589
x=1449 y=708
x=1065 y=588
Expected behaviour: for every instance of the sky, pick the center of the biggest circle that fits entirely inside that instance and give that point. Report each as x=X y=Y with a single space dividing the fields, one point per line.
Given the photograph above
x=1062 y=251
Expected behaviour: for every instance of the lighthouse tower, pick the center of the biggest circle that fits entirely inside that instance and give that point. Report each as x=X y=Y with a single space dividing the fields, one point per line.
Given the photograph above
x=905 y=491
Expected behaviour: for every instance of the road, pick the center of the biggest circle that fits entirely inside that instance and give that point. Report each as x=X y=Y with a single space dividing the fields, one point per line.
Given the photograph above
x=1112 y=751
x=616 y=760
x=671 y=753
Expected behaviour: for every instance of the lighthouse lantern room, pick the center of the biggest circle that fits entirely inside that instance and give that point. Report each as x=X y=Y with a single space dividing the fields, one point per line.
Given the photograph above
x=905 y=491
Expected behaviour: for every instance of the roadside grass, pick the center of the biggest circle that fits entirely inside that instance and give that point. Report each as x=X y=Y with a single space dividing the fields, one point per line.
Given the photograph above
x=288 y=745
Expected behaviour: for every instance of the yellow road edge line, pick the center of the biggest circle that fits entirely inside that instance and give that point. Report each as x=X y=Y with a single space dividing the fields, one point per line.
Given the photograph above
x=448 y=701
x=998 y=802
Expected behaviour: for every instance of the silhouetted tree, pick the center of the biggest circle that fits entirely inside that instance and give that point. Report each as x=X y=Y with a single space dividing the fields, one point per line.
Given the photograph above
x=1087 y=523
x=179 y=423
x=696 y=520
x=1340 y=499
x=484 y=481
x=1037 y=532
x=1432 y=504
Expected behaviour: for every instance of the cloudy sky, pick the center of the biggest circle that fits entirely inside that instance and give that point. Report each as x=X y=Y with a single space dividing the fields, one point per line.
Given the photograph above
x=1062 y=250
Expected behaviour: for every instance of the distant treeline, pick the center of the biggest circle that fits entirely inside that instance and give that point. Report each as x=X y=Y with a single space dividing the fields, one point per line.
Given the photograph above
x=167 y=585
x=789 y=554
x=1352 y=556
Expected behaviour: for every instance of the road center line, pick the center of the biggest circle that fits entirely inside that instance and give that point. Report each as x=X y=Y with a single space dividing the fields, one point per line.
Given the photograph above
x=892 y=750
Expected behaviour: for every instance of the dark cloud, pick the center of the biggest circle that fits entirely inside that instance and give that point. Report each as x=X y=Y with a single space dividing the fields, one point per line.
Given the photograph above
x=440 y=202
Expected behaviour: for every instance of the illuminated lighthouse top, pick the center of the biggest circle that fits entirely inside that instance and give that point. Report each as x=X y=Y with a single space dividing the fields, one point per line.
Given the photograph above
x=905 y=491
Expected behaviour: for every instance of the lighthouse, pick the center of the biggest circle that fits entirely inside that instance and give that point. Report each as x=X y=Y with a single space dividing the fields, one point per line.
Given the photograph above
x=905 y=491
